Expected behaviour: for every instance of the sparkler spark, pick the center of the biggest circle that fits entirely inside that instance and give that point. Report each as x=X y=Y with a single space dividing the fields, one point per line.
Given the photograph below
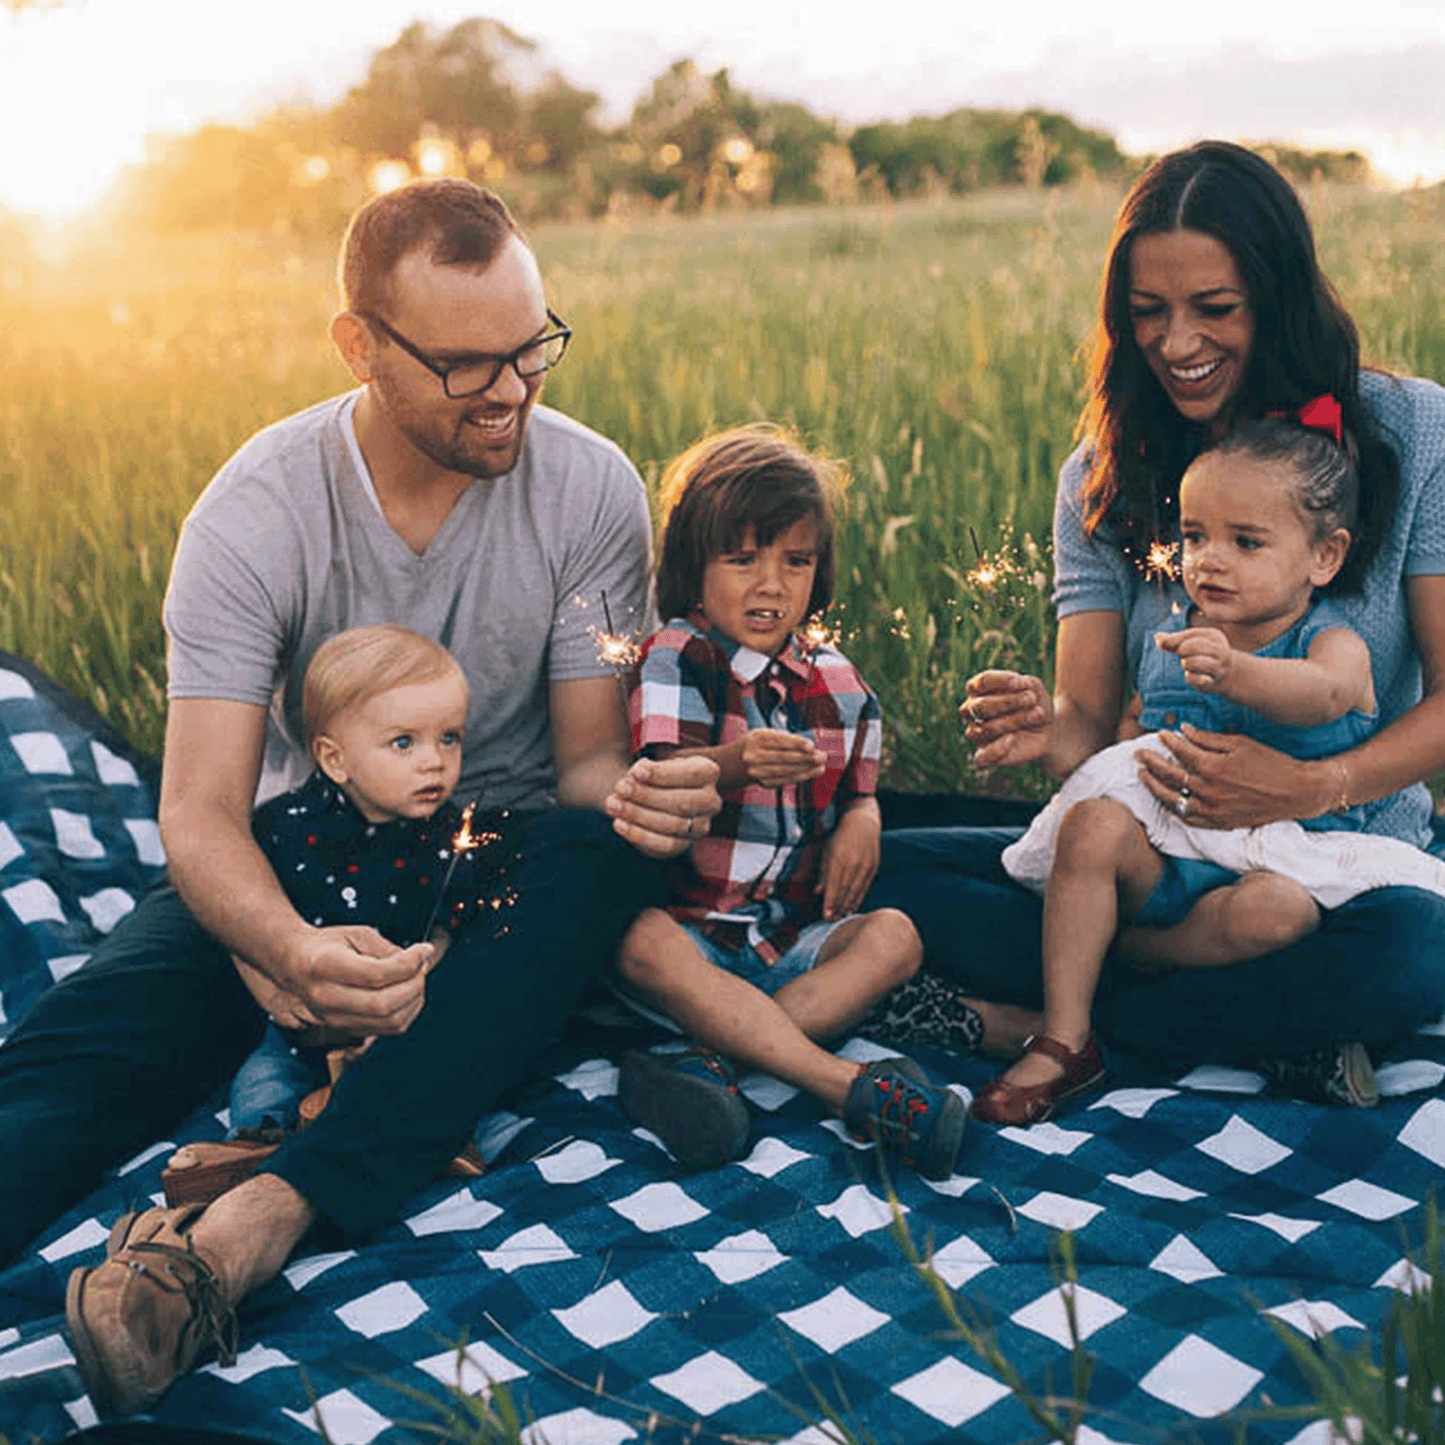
x=818 y=635
x=1159 y=563
x=815 y=636
x=620 y=651
x=463 y=841
x=616 y=649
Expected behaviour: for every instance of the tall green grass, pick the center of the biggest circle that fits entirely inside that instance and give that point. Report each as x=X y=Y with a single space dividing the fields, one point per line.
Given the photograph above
x=932 y=348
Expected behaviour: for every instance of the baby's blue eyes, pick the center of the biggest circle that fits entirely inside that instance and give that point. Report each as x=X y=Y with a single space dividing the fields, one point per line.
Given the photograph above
x=403 y=742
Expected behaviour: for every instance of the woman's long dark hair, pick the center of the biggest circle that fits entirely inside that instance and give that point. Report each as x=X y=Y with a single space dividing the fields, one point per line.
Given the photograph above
x=1305 y=344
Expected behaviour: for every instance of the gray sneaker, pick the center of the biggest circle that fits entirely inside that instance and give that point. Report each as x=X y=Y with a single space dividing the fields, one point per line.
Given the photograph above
x=690 y=1100
x=1339 y=1074
x=895 y=1104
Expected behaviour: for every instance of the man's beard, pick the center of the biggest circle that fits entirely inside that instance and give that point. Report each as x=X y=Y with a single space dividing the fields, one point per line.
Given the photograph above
x=451 y=452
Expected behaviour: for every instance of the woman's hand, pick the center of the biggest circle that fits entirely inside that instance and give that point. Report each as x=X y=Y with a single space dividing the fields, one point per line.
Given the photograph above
x=1227 y=780
x=1008 y=717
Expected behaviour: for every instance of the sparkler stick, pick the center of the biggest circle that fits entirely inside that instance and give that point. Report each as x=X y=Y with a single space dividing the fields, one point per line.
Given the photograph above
x=619 y=651
x=463 y=841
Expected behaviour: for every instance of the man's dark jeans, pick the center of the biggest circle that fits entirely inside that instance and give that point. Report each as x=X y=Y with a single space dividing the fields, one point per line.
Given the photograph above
x=114 y=1056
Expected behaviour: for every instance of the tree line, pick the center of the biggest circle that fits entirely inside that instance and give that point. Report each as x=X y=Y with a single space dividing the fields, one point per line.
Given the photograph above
x=473 y=100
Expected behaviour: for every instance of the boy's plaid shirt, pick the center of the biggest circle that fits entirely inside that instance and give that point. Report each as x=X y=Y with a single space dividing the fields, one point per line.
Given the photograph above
x=752 y=879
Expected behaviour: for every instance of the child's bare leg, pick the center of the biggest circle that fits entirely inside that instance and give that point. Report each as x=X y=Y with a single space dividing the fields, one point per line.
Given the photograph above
x=1104 y=868
x=862 y=960
x=662 y=966
x=1243 y=920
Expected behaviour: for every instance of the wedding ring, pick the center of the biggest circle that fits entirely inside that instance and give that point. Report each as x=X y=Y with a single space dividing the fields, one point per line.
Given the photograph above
x=968 y=711
x=1181 y=804
x=689 y=825
x=1184 y=790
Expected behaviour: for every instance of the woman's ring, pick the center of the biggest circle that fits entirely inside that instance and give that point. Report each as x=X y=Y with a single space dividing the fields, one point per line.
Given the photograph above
x=968 y=711
x=1181 y=803
x=689 y=825
x=1184 y=790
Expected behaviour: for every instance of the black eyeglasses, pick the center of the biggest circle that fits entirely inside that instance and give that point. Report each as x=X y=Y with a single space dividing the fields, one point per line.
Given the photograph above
x=474 y=374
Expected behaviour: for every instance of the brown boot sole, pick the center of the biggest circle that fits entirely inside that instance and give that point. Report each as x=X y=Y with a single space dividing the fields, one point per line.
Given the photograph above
x=87 y=1358
x=220 y=1165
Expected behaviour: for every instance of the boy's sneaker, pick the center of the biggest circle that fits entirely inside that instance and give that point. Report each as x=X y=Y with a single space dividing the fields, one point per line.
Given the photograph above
x=894 y=1103
x=690 y=1100
x=1339 y=1074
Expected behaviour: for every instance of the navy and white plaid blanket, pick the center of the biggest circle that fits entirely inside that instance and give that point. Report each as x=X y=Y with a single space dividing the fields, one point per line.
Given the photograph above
x=616 y=1299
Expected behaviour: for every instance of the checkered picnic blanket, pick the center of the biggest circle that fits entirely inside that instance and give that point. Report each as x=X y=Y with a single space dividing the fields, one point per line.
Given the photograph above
x=615 y=1298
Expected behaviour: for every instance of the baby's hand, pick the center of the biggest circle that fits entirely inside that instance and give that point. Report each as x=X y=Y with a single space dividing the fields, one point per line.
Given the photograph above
x=773 y=758
x=1206 y=654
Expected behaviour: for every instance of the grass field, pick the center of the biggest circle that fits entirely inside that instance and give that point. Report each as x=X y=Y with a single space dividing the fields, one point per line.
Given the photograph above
x=932 y=348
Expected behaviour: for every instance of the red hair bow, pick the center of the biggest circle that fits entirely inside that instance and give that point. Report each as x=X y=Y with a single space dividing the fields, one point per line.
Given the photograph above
x=1322 y=414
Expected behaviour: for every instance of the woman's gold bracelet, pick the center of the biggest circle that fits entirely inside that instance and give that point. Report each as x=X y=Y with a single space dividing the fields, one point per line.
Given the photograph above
x=1343 y=806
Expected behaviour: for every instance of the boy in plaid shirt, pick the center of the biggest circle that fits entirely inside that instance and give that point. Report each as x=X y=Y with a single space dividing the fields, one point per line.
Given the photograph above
x=760 y=954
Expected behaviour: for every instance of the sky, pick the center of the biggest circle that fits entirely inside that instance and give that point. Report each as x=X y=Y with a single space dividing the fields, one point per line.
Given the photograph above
x=82 y=82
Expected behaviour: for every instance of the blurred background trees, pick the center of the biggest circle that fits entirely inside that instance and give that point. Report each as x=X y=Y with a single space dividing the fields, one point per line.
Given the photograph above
x=476 y=100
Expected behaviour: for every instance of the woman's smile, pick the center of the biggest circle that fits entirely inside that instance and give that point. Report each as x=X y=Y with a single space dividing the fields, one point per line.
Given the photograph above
x=1192 y=321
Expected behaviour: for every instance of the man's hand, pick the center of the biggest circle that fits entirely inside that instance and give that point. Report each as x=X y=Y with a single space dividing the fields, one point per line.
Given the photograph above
x=347 y=978
x=281 y=1007
x=1205 y=652
x=850 y=859
x=661 y=805
x=773 y=758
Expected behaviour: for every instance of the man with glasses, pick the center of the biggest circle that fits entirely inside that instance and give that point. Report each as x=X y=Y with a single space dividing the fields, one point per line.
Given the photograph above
x=440 y=496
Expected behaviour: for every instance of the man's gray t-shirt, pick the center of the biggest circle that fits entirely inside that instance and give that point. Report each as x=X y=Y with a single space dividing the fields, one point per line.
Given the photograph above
x=288 y=545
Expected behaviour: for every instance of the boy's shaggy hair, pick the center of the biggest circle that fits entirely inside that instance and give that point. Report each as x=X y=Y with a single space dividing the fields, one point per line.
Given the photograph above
x=754 y=477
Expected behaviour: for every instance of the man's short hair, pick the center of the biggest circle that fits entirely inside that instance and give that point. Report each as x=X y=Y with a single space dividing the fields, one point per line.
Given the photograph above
x=457 y=223
x=352 y=667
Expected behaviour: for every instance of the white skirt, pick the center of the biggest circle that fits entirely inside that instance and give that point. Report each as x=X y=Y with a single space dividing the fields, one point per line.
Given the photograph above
x=1334 y=866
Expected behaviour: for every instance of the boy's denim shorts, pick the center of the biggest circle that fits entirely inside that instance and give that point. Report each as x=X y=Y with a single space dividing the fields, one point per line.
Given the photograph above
x=745 y=963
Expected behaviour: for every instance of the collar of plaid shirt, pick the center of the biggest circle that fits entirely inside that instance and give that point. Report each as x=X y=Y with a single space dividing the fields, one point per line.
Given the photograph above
x=747 y=664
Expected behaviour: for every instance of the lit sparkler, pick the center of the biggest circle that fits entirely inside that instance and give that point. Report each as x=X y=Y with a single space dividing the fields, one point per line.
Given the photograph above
x=815 y=636
x=1159 y=564
x=618 y=650
x=990 y=572
x=463 y=841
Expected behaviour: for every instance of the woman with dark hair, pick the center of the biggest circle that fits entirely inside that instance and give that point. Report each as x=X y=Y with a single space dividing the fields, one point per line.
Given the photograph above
x=1213 y=313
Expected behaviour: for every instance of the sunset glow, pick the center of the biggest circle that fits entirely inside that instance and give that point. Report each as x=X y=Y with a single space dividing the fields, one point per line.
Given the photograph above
x=88 y=83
